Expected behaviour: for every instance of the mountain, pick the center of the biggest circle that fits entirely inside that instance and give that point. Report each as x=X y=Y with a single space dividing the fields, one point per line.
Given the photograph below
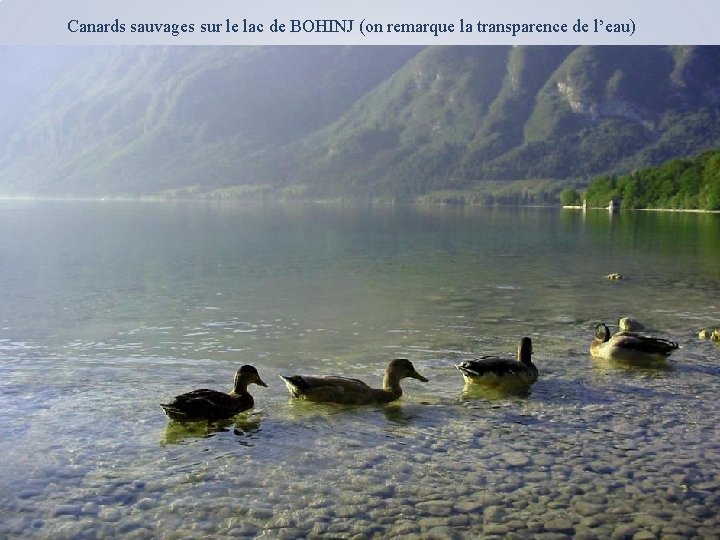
x=28 y=73
x=357 y=122
x=142 y=119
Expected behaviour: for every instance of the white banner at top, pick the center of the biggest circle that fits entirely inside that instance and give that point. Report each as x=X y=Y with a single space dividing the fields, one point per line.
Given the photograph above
x=366 y=22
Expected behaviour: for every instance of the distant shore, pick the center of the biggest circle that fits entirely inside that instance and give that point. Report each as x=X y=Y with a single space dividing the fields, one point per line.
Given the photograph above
x=419 y=202
x=691 y=210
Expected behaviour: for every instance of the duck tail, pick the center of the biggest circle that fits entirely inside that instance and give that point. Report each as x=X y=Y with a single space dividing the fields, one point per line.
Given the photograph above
x=671 y=345
x=173 y=413
x=295 y=384
x=466 y=370
x=657 y=345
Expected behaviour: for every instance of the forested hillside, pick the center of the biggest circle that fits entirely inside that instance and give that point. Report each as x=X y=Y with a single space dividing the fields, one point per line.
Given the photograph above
x=351 y=122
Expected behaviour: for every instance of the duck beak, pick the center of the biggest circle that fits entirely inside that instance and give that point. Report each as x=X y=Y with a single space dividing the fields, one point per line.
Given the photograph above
x=260 y=382
x=416 y=375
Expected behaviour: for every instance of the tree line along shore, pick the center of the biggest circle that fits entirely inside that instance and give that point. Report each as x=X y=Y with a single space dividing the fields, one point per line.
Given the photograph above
x=678 y=184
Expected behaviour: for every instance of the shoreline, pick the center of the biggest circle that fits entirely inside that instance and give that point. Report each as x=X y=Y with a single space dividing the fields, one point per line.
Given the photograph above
x=340 y=201
x=604 y=208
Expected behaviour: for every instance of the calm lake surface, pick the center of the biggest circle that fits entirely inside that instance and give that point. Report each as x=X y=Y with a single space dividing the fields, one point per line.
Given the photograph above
x=109 y=308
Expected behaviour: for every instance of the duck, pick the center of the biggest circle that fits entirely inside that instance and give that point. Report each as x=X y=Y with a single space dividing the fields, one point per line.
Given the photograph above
x=614 y=277
x=629 y=346
x=212 y=405
x=502 y=373
x=706 y=333
x=710 y=333
x=347 y=391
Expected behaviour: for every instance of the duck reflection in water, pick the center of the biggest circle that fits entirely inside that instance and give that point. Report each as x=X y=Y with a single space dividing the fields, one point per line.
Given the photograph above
x=402 y=414
x=242 y=427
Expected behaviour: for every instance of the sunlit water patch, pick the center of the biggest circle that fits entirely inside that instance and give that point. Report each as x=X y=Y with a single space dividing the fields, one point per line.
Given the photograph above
x=121 y=306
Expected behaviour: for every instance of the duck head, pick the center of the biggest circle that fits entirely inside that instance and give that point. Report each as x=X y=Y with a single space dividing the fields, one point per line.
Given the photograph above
x=247 y=375
x=626 y=324
x=525 y=350
x=602 y=333
x=401 y=368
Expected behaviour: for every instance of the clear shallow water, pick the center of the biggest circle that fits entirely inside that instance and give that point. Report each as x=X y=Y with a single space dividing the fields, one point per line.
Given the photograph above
x=110 y=308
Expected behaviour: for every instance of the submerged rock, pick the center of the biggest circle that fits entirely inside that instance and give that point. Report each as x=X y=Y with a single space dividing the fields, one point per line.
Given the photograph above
x=515 y=459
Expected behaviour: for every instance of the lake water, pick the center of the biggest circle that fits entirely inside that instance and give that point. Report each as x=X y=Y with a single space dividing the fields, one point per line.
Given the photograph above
x=109 y=308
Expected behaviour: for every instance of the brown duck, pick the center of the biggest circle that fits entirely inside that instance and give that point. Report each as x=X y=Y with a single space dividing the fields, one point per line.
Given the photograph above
x=502 y=373
x=629 y=346
x=205 y=404
x=346 y=391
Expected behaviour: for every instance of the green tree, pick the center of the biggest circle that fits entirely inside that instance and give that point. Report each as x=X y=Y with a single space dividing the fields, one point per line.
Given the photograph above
x=630 y=191
x=601 y=190
x=678 y=183
x=570 y=197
